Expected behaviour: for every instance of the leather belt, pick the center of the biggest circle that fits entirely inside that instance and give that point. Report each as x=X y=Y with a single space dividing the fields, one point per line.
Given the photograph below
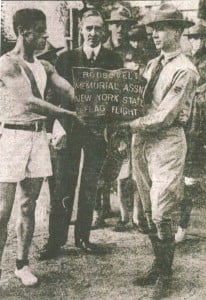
x=37 y=126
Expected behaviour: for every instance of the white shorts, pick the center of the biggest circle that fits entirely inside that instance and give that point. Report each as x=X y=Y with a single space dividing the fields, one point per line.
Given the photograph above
x=24 y=154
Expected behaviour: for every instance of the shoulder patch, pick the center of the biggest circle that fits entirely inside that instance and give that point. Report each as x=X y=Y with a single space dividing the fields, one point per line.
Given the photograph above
x=177 y=89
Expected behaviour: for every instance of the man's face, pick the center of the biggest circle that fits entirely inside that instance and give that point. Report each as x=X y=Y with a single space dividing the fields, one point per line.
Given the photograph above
x=195 y=43
x=35 y=38
x=118 y=31
x=164 y=37
x=92 y=30
x=136 y=44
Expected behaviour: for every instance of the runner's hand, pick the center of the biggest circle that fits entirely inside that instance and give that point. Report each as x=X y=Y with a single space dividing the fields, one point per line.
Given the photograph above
x=123 y=126
x=74 y=115
x=59 y=142
x=59 y=138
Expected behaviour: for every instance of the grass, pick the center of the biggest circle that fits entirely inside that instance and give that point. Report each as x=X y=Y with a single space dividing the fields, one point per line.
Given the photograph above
x=77 y=276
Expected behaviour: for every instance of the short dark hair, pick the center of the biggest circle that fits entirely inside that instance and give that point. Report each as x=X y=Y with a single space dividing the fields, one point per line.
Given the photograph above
x=91 y=13
x=26 y=18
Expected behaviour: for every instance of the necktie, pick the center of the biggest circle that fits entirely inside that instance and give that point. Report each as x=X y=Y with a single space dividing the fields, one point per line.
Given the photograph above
x=92 y=58
x=153 y=80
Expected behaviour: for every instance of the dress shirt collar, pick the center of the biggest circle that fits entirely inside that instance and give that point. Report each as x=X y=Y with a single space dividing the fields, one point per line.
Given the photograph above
x=89 y=51
x=167 y=56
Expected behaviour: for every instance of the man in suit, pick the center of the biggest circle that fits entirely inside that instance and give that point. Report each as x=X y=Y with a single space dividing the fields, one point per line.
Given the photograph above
x=91 y=138
x=160 y=148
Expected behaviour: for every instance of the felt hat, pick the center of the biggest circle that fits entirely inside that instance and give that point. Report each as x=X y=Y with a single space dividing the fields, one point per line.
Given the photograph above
x=197 y=30
x=121 y=15
x=138 y=32
x=169 y=14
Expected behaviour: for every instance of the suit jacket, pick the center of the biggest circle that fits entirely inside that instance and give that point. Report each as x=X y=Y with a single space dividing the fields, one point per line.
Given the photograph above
x=106 y=59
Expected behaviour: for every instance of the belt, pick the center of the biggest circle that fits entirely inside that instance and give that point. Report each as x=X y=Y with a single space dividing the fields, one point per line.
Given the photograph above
x=37 y=126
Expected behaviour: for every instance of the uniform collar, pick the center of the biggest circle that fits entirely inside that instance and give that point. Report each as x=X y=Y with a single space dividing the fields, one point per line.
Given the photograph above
x=201 y=88
x=91 y=52
x=167 y=56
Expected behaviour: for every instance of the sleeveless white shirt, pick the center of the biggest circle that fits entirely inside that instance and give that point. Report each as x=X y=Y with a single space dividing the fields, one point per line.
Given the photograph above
x=12 y=109
x=39 y=74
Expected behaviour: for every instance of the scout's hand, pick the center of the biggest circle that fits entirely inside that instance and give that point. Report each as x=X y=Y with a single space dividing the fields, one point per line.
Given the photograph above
x=80 y=121
x=130 y=127
x=123 y=126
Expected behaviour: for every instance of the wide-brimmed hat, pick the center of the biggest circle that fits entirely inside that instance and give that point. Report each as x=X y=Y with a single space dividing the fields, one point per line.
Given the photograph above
x=169 y=14
x=197 y=30
x=121 y=15
x=138 y=32
x=48 y=50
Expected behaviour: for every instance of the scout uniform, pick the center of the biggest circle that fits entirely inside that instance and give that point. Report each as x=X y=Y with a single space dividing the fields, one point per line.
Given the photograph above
x=164 y=135
x=120 y=16
x=159 y=150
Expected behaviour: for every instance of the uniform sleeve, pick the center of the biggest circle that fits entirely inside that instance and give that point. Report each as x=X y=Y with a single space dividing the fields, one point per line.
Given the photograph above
x=179 y=98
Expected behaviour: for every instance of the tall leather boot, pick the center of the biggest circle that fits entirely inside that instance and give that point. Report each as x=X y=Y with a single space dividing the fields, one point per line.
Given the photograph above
x=153 y=273
x=151 y=276
x=165 y=248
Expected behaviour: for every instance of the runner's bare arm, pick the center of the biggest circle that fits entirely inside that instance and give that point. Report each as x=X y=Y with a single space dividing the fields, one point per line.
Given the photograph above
x=60 y=85
x=44 y=108
x=16 y=84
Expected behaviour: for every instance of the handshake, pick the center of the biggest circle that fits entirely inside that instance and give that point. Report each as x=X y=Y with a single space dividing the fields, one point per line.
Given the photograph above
x=123 y=128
